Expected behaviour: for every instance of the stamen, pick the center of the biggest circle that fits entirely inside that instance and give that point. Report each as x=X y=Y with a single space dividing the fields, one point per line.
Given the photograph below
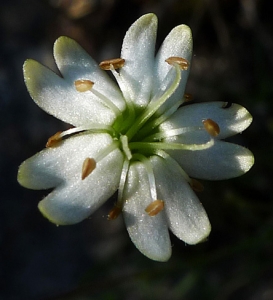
x=83 y=85
x=114 y=213
x=122 y=181
x=90 y=128
x=115 y=63
x=104 y=100
x=196 y=185
x=88 y=167
x=110 y=148
x=60 y=135
x=151 y=178
x=188 y=97
x=128 y=95
x=54 y=140
x=212 y=127
x=125 y=146
x=153 y=146
x=154 y=208
x=171 y=132
x=182 y=62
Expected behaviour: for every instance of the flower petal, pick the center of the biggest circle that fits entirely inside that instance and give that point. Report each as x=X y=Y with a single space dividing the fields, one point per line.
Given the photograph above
x=52 y=166
x=59 y=98
x=75 y=200
x=221 y=161
x=149 y=234
x=186 y=216
x=138 y=52
x=75 y=63
x=177 y=43
x=231 y=120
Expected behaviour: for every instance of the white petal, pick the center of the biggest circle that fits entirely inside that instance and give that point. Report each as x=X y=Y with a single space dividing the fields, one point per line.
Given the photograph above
x=222 y=161
x=186 y=216
x=59 y=97
x=149 y=234
x=55 y=165
x=231 y=120
x=77 y=199
x=177 y=43
x=75 y=63
x=138 y=52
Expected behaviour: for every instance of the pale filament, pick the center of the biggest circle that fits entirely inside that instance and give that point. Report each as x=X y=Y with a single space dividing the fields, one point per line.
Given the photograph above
x=170 y=146
x=122 y=182
x=154 y=106
x=172 y=132
x=60 y=135
x=151 y=178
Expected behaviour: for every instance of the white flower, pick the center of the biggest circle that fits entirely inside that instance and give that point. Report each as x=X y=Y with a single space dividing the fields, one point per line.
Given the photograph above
x=133 y=137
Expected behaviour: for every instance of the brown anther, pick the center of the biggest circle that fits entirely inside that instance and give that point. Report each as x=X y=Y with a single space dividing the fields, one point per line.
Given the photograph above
x=196 y=185
x=88 y=166
x=109 y=64
x=182 y=62
x=154 y=208
x=114 y=213
x=54 y=140
x=83 y=85
x=188 y=97
x=212 y=127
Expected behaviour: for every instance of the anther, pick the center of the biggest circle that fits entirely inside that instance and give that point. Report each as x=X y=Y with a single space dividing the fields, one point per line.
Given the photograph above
x=110 y=64
x=83 y=85
x=54 y=140
x=114 y=213
x=88 y=167
x=188 y=97
x=154 y=208
x=182 y=62
x=212 y=127
x=196 y=185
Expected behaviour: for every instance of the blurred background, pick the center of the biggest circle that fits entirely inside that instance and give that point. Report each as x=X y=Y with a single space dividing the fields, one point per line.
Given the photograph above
x=233 y=61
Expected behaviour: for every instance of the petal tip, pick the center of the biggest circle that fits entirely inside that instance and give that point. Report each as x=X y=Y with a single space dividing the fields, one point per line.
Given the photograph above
x=20 y=175
x=199 y=236
x=48 y=215
x=246 y=162
x=28 y=66
x=23 y=176
x=61 y=43
x=160 y=257
x=144 y=21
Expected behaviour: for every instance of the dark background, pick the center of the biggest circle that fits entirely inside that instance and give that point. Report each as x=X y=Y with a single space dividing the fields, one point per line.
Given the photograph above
x=233 y=61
